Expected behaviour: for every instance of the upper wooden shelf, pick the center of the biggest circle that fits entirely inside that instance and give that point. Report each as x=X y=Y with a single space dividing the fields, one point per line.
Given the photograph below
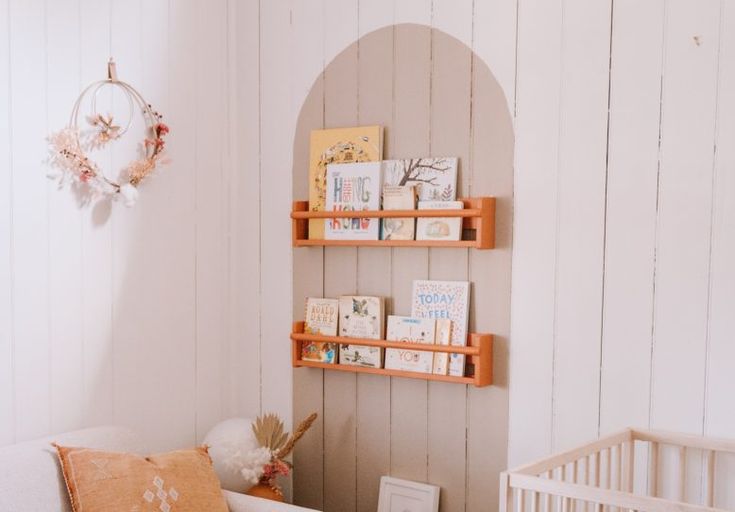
x=478 y=225
x=479 y=354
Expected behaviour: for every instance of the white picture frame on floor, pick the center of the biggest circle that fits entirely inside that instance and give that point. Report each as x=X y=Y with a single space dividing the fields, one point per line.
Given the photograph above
x=398 y=495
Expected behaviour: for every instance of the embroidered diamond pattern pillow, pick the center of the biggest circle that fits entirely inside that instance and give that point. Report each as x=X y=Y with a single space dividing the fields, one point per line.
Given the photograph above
x=180 y=481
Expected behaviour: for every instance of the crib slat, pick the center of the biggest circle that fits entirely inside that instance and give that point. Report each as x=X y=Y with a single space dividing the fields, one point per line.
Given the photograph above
x=653 y=471
x=534 y=501
x=575 y=480
x=587 y=479
x=561 y=503
x=682 y=473
x=547 y=498
x=520 y=500
x=709 y=493
x=630 y=466
x=506 y=493
x=619 y=464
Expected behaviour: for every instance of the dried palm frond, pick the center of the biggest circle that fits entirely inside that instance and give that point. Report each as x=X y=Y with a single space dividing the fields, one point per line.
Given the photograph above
x=268 y=430
x=303 y=427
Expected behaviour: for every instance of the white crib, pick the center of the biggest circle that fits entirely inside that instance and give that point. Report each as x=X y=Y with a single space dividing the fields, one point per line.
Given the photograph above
x=633 y=470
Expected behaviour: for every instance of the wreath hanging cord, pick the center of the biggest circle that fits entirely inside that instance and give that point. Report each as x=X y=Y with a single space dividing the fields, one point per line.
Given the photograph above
x=69 y=147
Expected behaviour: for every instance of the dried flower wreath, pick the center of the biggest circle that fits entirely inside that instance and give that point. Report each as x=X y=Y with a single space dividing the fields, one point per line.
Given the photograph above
x=69 y=146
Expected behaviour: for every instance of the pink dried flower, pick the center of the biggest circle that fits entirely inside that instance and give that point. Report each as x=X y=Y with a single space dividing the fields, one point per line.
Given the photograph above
x=162 y=129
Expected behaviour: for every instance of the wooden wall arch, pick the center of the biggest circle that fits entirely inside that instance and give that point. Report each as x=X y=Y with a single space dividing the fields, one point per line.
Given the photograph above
x=435 y=97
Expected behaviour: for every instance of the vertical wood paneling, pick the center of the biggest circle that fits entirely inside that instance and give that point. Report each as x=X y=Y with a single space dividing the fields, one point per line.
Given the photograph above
x=535 y=228
x=211 y=207
x=340 y=263
x=719 y=420
x=245 y=282
x=491 y=172
x=373 y=395
x=132 y=375
x=375 y=106
x=340 y=389
x=308 y=101
x=97 y=239
x=142 y=56
x=451 y=84
x=685 y=200
x=275 y=158
x=108 y=298
x=7 y=419
x=163 y=260
x=65 y=227
x=722 y=275
x=635 y=91
x=580 y=222
x=180 y=180
x=30 y=221
x=410 y=137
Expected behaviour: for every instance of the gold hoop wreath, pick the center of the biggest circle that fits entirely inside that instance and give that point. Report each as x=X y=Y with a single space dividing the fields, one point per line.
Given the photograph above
x=69 y=147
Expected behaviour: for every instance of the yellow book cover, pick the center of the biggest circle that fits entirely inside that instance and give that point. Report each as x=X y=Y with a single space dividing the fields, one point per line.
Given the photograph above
x=337 y=146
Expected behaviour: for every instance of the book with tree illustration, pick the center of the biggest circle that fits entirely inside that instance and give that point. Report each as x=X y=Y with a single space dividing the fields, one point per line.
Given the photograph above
x=434 y=177
x=337 y=146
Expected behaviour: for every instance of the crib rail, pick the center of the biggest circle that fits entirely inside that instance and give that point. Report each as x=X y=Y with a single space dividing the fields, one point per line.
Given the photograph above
x=599 y=476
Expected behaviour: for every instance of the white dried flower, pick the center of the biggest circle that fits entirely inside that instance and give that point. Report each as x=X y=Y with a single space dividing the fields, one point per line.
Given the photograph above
x=250 y=463
x=129 y=194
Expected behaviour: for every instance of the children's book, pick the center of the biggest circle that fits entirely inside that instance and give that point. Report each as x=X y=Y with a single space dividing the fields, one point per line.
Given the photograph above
x=435 y=177
x=321 y=317
x=445 y=300
x=353 y=187
x=398 y=197
x=361 y=355
x=361 y=317
x=336 y=146
x=442 y=337
x=410 y=330
x=439 y=228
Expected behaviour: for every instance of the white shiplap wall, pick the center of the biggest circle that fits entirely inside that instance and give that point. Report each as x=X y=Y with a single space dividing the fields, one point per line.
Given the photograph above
x=147 y=316
x=623 y=238
x=164 y=316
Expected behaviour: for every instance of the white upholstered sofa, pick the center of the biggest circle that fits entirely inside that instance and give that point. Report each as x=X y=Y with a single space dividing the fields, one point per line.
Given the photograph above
x=31 y=479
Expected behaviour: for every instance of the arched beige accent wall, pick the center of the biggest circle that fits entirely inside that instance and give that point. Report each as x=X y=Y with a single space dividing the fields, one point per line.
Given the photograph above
x=434 y=97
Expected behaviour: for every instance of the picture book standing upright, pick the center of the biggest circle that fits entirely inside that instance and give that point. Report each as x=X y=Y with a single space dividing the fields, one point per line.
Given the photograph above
x=361 y=317
x=321 y=317
x=397 y=197
x=434 y=177
x=445 y=300
x=410 y=330
x=353 y=187
x=439 y=228
x=336 y=146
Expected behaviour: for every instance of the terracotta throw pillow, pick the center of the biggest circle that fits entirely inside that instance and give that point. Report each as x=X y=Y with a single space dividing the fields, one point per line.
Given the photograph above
x=180 y=481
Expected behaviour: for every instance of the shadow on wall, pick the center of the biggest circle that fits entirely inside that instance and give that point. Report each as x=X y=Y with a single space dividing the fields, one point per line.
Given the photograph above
x=420 y=91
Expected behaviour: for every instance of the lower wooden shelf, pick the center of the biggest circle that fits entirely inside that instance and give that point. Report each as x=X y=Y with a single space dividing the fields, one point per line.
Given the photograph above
x=479 y=352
